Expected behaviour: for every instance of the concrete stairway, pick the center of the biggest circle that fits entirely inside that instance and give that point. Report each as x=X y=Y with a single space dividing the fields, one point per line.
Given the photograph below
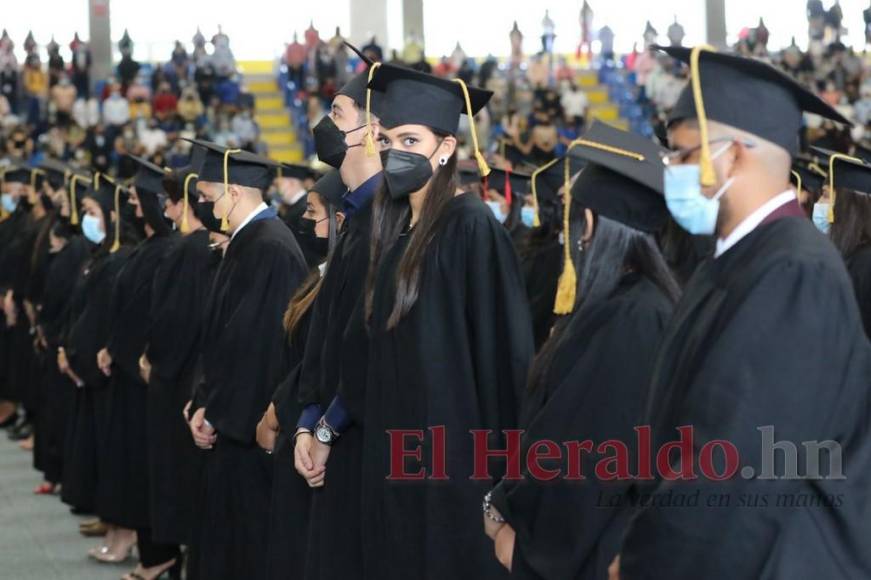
x=600 y=105
x=271 y=114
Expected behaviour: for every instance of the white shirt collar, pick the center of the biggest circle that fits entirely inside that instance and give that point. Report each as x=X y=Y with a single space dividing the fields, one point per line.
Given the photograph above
x=248 y=219
x=752 y=221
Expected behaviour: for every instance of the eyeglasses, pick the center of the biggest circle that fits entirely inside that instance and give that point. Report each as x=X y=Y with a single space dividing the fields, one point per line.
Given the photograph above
x=680 y=156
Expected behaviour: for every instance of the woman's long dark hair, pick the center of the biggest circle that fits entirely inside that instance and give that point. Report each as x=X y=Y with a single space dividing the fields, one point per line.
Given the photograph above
x=305 y=295
x=852 y=227
x=389 y=219
x=614 y=250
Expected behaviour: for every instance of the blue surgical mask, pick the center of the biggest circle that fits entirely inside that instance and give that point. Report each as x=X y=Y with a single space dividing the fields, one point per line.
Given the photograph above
x=92 y=229
x=9 y=203
x=527 y=216
x=496 y=207
x=689 y=207
x=820 y=217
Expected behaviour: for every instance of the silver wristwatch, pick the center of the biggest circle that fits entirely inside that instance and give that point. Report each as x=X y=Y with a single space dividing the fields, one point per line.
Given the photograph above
x=324 y=433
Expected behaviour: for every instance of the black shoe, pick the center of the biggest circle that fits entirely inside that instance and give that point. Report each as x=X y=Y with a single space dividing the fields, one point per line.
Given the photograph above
x=9 y=421
x=22 y=432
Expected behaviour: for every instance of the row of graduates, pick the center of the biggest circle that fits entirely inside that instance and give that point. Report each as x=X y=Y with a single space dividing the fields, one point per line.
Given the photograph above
x=420 y=317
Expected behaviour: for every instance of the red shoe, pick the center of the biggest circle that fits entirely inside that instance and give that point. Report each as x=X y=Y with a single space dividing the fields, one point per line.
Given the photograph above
x=45 y=489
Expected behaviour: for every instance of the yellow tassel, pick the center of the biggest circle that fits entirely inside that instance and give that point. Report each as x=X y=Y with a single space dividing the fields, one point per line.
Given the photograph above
x=797 y=185
x=117 y=243
x=33 y=173
x=370 y=134
x=225 y=222
x=536 y=222
x=831 y=215
x=708 y=176
x=74 y=210
x=97 y=180
x=483 y=168
x=185 y=228
x=566 y=292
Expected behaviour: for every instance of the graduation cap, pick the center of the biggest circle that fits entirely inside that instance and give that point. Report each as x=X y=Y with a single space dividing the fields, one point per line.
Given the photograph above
x=355 y=89
x=296 y=171
x=624 y=178
x=414 y=97
x=508 y=183
x=17 y=173
x=808 y=175
x=744 y=93
x=845 y=171
x=221 y=164
x=107 y=193
x=57 y=172
x=107 y=183
x=149 y=177
x=78 y=186
x=331 y=188
x=546 y=181
x=468 y=173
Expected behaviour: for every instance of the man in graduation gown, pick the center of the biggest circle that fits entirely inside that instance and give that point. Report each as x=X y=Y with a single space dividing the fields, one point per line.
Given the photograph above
x=334 y=549
x=734 y=364
x=244 y=357
x=292 y=183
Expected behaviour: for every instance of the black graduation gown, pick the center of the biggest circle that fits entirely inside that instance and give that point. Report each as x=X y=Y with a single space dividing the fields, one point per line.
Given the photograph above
x=542 y=267
x=594 y=389
x=122 y=492
x=334 y=356
x=58 y=392
x=736 y=358
x=18 y=263
x=181 y=285
x=244 y=357
x=291 y=496
x=9 y=232
x=859 y=267
x=458 y=359
x=87 y=334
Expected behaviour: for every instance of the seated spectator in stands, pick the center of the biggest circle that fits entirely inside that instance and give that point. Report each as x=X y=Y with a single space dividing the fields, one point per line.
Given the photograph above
x=139 y=97
x=99 y=147
x=116 y=111
x=152 y=137
x=246 y=130
x=227 y=91
x=86 y=112
x=190 y=107
x=315 y=110
x=574 y=102
x=223 y=134
x=165 y=102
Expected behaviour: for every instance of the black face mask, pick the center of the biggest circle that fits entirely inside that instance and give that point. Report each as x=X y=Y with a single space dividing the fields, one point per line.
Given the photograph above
x=313 y=248
x=405 y=172
x=330 y=142
x=204 y=210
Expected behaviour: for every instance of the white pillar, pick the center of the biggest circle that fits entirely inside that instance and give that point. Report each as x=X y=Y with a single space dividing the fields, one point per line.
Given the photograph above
x=715 y=23
x=412 y=21
x=99 y=40
x=368 y=18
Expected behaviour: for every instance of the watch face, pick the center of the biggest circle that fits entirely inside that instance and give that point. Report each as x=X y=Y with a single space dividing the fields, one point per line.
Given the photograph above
x=323 y=434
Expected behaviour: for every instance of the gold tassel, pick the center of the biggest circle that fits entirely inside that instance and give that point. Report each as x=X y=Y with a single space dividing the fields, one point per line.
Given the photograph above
x=797 y=185
x=708 y=176
x=225 y=222
x=3 y=213
x=117 y=244
x=566 y=292
x=370 y=134
x=74 y=210
x=536 y=222
x=483 y=168
x=185 y=228
x=33 y=173
x=831 y=215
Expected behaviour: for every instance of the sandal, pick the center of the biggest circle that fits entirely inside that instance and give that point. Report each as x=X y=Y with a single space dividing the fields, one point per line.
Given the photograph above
x=173 y=571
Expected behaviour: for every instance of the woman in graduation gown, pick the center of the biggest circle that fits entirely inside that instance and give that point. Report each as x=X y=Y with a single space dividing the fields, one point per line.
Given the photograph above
x=86 y=334
x=851 y=224
x=68 y=253
x=123 y=493
x=170 y=367
x=450 y=337
x=590 y=378
x=316 y=232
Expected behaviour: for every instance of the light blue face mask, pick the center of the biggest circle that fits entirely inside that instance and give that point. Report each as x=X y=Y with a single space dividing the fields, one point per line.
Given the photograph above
x=496 y=208
x=820 y=217
x=687 y=204
x=92 y=229
x=527 y=216
x=9 y=203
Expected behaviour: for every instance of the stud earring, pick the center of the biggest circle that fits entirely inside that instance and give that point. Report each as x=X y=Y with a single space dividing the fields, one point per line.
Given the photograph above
x=443 y=160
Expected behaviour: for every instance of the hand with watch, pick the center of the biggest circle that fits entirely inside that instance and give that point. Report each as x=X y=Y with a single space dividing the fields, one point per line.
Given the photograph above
x=311 y=451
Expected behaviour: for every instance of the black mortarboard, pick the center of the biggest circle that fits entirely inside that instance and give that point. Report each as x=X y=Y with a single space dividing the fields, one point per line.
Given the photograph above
x=296 y=171
x=747 y=94
x=844 y=171
x=149 y=177
x=468 y=173
x=414 y=97
x=17 y=174
x=509 y=183
x=812 y=176
x=546 y=180
x=355 y=89
x=243 y=168
x=57 y=172
x=331 y=188
x=623 y=180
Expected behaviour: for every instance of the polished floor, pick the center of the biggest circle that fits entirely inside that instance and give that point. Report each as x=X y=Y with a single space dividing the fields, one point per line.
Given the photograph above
x=39 y=538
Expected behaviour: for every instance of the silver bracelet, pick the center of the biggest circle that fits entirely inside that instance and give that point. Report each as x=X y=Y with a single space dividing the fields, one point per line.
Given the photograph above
x=489 y=514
